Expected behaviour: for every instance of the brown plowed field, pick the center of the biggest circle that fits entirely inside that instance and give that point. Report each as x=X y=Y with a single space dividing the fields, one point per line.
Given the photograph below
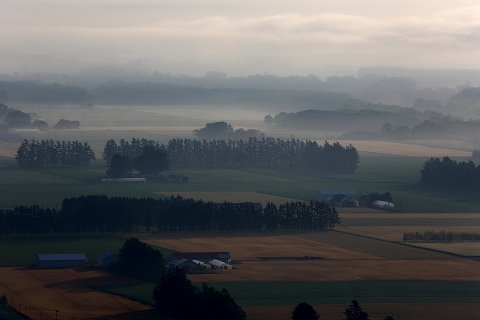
x=341 y=257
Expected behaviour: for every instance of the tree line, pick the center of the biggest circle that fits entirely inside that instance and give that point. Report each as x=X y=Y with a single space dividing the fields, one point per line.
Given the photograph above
x=257 y=153
x=450 y=173
x=441 y=236
x=50 y=153
x=98 y=214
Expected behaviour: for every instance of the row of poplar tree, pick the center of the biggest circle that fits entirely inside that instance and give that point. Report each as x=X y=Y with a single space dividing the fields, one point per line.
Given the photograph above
x=262 y=153
x=100 y=214
x=188 y=153
x=50 y=153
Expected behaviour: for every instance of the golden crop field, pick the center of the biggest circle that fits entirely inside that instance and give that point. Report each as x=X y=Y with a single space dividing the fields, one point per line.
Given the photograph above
x=65 y=290
x=241 y=196
x=403 y=149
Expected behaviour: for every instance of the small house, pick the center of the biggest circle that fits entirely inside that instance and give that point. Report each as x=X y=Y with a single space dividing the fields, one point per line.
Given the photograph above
x=338 y=198
x=64 y=260
x=171 y=176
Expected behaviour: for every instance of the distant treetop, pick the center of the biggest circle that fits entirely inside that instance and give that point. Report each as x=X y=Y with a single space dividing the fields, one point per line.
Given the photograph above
x=224 y=130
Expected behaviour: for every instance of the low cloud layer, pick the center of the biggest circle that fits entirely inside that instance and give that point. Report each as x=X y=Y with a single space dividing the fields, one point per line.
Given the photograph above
x=239 y=37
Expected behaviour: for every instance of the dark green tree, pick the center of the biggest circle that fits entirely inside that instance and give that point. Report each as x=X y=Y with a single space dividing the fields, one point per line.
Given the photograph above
x=218 y=305
x=152 y=160
x=118 y=167
x=220 y=129
x=175 y=296
x=304 y=311
x=138 y=260
x=173 y=292
x=355 y=312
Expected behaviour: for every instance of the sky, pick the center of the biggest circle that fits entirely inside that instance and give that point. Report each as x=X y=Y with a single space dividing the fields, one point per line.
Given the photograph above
x=238 y=36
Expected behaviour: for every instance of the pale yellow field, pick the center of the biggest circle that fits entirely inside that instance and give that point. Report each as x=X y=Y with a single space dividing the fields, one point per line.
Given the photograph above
x=404 y=149
x=395 y=233
x=390 y=215
x=8 y=149
x=220 y=197
x=160 y=128
x=65 y=290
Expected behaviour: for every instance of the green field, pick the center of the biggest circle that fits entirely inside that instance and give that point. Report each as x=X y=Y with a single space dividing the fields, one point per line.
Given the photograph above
x=267 y=293
x=399 y=175
x=23 y=251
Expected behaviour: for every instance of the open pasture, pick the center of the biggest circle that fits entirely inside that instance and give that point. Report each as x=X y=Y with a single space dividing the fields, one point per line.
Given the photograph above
x=413 y=300
x=65 y=290
x=404 y=311
x=23 y=251
x=240 y=196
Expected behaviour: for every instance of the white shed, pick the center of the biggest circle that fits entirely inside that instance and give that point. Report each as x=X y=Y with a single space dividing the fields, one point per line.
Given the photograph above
x=383 y=204
x=220 y=264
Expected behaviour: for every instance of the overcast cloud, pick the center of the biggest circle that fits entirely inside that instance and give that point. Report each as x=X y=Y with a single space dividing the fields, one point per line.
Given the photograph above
x=239 y=37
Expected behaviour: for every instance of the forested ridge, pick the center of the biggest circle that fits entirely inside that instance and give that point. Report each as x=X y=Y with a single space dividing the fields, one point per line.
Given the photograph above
x=50 y=153
x=258 y=153
x=99 y=214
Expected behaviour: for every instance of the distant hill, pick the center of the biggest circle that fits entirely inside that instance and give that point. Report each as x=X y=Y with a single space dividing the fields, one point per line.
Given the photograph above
x=466 y=101
x=347 y=119
x=35 y=92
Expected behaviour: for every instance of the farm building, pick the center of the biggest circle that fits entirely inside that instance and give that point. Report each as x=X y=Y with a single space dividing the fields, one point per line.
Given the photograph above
x=63 y=260
x=217 y=264
x=106 y=259
x=185 y=264
x=338 y=198
x=204 y=256
x=124 y=180
x=202 y=264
